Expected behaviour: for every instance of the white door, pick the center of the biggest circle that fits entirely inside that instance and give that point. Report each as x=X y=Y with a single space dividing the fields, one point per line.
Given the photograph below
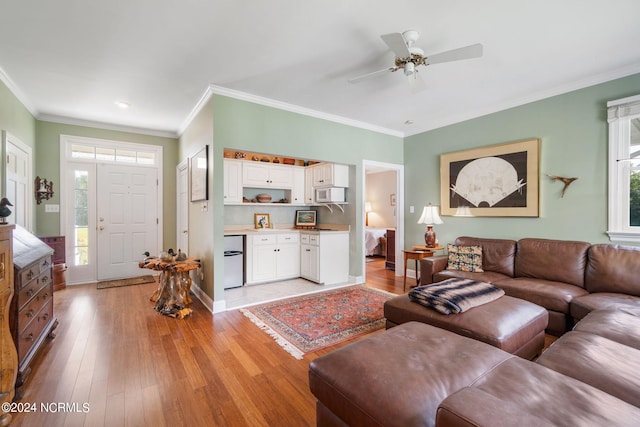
x=18 y=181
x=127 y=219
x=182 y=211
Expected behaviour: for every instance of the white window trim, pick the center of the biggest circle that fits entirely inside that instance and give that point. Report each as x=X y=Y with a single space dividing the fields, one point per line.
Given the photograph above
x=619 y=114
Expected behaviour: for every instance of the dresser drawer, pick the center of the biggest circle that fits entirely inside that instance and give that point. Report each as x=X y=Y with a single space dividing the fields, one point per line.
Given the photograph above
x=33 y=307
x=32 y=288
x=30 y=335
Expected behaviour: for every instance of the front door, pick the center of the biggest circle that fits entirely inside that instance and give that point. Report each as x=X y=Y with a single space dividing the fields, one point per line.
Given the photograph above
x=127 y=218
x=18 y=181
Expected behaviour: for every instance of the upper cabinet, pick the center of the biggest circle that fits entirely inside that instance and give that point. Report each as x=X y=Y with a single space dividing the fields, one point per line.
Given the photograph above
x=330 y=175
x=267 y=175
x=232 y=181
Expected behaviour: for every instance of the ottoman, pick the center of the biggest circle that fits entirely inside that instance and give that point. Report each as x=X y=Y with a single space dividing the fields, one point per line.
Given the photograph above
x=510 y=324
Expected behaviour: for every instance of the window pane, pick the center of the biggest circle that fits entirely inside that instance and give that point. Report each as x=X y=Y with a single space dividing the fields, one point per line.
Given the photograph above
x=634 y=169
x=125 y=156
x=81 y=199
x=82 y=152
x=82 y=236
x=82 y=180
x=145 y=158
x=82 y=218
x=105 y=153
x=82 y=256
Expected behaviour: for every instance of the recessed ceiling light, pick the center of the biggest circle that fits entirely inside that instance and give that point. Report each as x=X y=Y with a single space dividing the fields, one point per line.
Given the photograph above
x=408 y=122
x=122 y=104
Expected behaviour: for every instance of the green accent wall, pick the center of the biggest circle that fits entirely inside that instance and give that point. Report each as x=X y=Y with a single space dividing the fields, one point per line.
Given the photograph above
x=574 y=143
x=47 y=159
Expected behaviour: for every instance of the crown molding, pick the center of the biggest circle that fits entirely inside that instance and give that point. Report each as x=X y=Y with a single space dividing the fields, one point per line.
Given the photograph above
x=107 y=126
x=208 y=93
x=243 y=96
x=15 y=90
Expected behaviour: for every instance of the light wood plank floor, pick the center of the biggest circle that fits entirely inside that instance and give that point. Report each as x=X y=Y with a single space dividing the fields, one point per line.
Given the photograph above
x=135 y=367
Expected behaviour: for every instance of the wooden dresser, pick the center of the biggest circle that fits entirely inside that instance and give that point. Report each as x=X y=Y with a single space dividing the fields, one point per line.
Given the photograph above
x=8 y=356
x=31 y=318
x=390 y=256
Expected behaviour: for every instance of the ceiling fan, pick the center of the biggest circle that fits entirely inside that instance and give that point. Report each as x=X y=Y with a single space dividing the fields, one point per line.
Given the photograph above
x=409 y=57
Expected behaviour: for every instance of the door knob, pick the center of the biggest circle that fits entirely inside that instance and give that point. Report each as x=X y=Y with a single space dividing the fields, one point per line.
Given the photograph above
x=101 y=219
x=101 y=228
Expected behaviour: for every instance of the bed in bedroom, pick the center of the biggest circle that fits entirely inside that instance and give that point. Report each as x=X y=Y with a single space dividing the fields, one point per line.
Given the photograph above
x=374 y=241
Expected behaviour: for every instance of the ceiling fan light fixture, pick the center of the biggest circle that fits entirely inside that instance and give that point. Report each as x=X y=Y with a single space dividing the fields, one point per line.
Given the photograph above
x=409 y=69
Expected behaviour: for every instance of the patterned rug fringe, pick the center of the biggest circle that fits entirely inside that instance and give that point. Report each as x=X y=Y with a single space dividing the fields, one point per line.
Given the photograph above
x=280 y=340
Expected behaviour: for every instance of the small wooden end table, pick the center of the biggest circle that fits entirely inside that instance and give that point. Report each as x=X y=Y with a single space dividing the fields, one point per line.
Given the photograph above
x=418 y=252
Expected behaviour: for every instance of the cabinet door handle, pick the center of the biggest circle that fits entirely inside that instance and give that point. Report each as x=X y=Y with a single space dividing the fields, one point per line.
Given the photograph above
x=308 y=250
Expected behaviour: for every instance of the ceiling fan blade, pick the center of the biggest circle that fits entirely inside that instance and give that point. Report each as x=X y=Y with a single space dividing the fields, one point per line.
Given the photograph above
x=397 y=44
x=373 y=74
x=467 y=52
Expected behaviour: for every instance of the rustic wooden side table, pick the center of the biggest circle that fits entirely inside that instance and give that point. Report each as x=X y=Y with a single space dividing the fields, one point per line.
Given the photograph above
x=174 y=286
x=417 y=256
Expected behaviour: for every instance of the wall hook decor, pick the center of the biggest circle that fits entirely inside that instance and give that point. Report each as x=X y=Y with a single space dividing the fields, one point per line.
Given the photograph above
x=43 y=189
x=567 y=181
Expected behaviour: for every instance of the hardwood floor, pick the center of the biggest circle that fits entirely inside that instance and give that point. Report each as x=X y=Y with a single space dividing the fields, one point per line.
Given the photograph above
x=134 y=367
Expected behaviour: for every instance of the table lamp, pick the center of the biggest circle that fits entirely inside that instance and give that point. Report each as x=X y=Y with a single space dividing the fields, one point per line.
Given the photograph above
x=367 y=209
x=430 y=217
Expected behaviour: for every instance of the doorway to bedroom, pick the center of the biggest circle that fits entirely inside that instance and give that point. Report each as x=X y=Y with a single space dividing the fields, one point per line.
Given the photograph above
x=384 y=215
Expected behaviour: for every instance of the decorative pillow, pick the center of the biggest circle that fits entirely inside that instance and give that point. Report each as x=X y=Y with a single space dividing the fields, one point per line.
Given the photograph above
x=465 y=258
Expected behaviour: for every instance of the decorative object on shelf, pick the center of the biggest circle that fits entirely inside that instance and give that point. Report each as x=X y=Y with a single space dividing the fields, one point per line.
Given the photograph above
x=499 y=180
x=566 y=181
x=4 y=210
x=430 y=217
x=263 y=198
x=241 y=155
x=289 y=161
x=43 y=189
x=265 y=159
x=367 y=209
x=305 y=219
x=276 y=160
x=254 y=158
x=199 y=172
x=261 y=220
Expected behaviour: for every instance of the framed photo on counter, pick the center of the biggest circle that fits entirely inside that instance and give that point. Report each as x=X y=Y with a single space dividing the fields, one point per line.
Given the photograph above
x=262 y=220
x=305 y=218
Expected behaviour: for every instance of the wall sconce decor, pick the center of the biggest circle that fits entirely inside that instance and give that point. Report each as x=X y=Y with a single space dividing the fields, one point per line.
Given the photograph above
x=43 y=189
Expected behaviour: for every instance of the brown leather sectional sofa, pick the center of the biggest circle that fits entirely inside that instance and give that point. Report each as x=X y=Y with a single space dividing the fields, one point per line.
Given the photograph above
x=418 y=375
x=568 y=278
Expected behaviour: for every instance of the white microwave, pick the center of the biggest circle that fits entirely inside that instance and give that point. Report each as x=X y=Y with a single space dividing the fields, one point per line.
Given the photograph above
x=330 y=195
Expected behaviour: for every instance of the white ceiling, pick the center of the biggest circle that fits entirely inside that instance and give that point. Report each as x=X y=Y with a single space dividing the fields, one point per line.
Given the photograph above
x=69 y=60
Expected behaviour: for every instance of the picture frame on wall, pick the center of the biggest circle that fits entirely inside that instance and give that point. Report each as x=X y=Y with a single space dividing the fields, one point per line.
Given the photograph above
x=499 y=180
x=305 y=218
x=199 y=171
x=261 y=220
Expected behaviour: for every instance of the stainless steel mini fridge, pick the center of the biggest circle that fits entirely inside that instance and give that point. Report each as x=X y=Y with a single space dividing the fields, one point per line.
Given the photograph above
x=233 y=261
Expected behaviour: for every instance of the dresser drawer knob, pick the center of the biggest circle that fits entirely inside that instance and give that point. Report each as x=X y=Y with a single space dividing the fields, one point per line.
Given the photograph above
x=29 y=337
x=45 y=279
x=30 y=274
x=30 y=293
x=30 y=313
x=45 y=316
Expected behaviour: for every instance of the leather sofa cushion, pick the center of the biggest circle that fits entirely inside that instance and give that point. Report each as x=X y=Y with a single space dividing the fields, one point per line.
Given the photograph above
x=507 y=323
x=621 y=326
x=554 y=260
x=613 y=268
x=399 y=377
x=487 y=276
x=607 y=365
x=497 y=254
x=522 y=393
x=551 y=295
x=583 y=305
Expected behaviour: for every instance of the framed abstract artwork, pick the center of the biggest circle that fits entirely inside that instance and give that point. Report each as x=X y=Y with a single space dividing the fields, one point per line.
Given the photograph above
x=498 y=180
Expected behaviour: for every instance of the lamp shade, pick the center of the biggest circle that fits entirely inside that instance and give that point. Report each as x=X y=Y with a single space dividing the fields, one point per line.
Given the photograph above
x=430 y=216
x=367 y=207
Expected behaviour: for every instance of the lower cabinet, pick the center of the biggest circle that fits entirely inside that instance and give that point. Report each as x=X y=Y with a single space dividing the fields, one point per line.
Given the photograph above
x=324 y=257
x=272 y=256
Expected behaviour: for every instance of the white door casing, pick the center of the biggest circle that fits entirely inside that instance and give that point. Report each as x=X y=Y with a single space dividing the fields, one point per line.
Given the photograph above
x=18 y=180
x=127 y=218
x=182 y=209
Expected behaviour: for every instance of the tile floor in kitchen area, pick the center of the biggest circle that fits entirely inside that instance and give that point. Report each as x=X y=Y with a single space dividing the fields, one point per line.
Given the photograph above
x=257 y=294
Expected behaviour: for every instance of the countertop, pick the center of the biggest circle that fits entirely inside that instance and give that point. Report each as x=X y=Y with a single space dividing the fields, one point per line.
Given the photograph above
x=233 y=231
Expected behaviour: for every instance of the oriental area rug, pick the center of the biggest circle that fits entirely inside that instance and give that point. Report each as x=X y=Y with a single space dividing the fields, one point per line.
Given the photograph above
x=310 y=322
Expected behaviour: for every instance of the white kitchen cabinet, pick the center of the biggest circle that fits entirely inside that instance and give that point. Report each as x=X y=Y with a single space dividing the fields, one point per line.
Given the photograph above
x=298 y=190
x=267 y=175
x=232 y=181
x=309 y=191
x=324 y=256
x=272 y=256
x=330 y=175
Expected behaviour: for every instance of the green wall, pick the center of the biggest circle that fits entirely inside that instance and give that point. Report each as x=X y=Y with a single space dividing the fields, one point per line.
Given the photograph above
x=574 y=141
x=247 y=126
x=18 y=121
x=47 y=159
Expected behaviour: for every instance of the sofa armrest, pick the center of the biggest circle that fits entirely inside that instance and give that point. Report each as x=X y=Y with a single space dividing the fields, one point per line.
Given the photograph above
x=430 y=266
